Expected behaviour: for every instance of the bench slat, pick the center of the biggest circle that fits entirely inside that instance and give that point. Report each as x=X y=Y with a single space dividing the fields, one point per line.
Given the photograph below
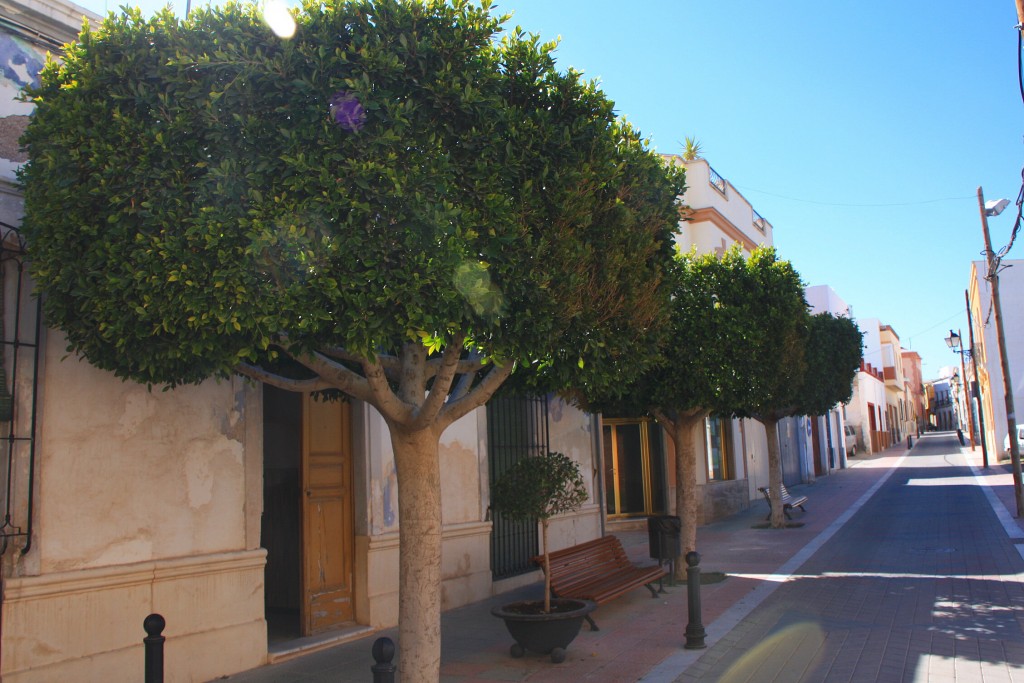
x=597 y=570
x=788 y=501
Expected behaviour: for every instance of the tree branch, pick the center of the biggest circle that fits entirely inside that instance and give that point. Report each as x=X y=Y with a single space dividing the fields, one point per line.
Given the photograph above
x=453 y=410
x=391 y=364
x=442 y=384
x=300 y=385
x=336 y=375
x=674 y=420
x=662 y=416
x=468 y=369
x=380 y=394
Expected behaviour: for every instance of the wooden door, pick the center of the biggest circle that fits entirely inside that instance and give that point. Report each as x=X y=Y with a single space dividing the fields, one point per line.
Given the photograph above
x=326 y=515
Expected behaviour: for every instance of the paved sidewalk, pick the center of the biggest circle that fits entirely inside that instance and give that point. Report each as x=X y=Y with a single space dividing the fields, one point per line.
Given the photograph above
x=641 y=638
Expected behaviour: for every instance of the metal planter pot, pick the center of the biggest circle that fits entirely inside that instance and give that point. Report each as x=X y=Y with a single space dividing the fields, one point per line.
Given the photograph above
x=536 y=631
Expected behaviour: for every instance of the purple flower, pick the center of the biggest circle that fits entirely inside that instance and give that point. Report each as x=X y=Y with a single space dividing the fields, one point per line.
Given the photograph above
x=347 y=112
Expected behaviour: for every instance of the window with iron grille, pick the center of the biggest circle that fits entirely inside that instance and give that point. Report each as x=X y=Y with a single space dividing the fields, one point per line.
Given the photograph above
x=517 y=427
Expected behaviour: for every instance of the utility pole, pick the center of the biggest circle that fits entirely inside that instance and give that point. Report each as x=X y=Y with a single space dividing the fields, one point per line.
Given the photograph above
x=1011 y=418
x=976 y=383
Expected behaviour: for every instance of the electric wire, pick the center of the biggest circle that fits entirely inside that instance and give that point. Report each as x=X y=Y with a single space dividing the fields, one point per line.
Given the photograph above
x=1020 y=65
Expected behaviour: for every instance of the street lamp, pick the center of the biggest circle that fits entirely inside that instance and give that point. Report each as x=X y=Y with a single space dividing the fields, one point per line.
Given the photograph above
x=953 y=342
x=994 y=208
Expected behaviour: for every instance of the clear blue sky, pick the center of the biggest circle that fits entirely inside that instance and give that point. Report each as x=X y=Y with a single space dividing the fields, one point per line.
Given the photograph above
x=861 y=131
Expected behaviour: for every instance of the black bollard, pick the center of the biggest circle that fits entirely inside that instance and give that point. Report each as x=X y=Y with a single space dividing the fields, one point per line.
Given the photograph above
x=154 y=643
x=383 y=653
x=910 y=442
x=695 y=628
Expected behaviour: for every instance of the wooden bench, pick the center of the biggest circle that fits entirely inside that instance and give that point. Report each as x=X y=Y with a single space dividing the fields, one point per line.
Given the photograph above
x=788 y=501
x=597 y=570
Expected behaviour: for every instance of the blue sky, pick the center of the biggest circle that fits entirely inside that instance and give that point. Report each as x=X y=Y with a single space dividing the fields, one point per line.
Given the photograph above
x=861 y=131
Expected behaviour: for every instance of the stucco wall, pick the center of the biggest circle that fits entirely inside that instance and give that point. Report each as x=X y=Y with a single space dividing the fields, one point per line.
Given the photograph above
x=144 y=502
x=573 y=432
x=129 y=475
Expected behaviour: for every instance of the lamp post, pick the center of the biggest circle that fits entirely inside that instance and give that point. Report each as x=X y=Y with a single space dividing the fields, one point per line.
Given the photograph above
x=975 y=384
x=953 y=342
x=994 y=208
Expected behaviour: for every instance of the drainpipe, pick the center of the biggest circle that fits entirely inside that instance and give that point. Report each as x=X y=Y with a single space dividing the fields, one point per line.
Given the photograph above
x=595 y=420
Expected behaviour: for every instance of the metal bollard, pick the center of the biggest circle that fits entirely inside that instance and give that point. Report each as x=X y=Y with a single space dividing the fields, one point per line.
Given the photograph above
x=154 y=642
x=695 y=633
x=383 y=653
x=910 y=442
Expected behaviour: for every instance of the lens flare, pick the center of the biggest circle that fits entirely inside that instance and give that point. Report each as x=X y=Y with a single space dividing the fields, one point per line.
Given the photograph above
x=278 y=18
x=346 y=111
x=473 y=282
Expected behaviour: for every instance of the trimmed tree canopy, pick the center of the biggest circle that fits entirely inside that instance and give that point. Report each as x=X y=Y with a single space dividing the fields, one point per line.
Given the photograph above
x=202 y=193
x=775 y=364
x=833 y=353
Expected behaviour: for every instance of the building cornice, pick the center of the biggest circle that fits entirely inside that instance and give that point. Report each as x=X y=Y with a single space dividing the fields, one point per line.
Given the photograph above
x=712 y=215
x=47 y=23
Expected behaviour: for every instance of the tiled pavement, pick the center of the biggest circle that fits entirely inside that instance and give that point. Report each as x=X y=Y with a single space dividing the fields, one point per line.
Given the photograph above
x=900 y=572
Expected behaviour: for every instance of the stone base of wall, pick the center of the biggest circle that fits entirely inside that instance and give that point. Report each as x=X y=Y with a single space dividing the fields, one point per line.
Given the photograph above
x=87 y=625
x=723 y=498
x=465 y=572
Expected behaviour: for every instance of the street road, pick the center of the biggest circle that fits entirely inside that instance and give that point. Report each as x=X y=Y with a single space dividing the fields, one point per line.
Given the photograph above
x=921 y=584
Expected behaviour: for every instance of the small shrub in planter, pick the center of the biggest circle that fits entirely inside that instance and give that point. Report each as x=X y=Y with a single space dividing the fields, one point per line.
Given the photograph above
x=540 y=487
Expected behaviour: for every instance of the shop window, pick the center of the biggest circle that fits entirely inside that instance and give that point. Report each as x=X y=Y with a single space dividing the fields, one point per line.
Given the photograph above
x=718 y=441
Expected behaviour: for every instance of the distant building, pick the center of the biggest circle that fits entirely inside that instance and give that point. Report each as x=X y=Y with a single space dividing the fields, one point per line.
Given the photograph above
x=882 y=403
x=943 y=415
x=917 y=418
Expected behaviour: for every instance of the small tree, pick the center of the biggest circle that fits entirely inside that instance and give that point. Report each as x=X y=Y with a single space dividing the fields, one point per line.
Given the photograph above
x=538 y=488
x=700 y=370
x=835 y=347
x=799 y=364
x=398 y=203
x=774 y=365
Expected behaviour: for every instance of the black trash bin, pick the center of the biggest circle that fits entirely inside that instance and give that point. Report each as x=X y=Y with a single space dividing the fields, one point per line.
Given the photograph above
x=664 y=534
x=664 y=538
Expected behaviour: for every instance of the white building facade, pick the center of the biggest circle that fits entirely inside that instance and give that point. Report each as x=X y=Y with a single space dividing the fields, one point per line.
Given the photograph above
x=986 y=360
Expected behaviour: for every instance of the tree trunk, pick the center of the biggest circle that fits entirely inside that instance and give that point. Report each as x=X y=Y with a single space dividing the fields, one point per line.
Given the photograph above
x=683 y=431
x=771 y=428
x=419 y=584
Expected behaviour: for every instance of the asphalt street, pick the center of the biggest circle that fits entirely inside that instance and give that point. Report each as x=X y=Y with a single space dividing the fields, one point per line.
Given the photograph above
x=922 y=583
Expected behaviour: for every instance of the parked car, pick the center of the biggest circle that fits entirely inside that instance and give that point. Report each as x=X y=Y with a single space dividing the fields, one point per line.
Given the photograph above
x=1020 y=441
x=850 y=438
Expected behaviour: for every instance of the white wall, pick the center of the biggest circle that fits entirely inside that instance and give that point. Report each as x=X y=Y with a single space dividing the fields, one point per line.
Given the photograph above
x=144 y=502
x=1011 y=296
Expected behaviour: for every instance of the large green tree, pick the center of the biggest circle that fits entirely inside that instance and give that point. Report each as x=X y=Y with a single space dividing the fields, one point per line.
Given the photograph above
x=774 y=363
x=833 y=353
x=797 y=363
x=398 y=203
x=700 y=367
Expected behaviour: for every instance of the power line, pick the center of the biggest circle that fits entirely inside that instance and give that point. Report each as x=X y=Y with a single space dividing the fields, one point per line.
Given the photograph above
x=858 y=206
x=962 y=311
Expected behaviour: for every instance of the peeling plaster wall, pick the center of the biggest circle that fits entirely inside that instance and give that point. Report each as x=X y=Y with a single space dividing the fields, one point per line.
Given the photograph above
x=142 y=475
x=145 y=502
